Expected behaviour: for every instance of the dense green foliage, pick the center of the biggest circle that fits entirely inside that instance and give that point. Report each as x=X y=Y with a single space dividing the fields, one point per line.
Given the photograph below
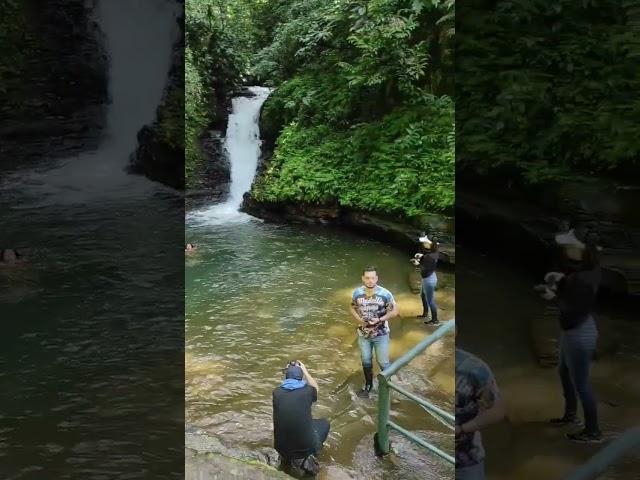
x=548 y=90
x=402 y=163
x=360 y=115
x=14 y=42
x=360 y=111
x=219 y=37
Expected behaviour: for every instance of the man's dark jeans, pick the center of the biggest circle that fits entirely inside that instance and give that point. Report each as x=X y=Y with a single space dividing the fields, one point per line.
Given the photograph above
x=321 y=427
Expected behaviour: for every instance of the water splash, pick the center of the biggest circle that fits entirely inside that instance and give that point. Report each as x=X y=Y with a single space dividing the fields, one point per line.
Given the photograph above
x=243 y=147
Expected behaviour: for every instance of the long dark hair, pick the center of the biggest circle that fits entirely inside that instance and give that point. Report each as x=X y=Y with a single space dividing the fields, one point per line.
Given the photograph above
x=590 y=258
x=591 y=255
x=434 y=245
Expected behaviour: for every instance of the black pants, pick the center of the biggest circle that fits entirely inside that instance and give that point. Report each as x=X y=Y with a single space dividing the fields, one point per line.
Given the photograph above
x=321 y=428
x=295 y=466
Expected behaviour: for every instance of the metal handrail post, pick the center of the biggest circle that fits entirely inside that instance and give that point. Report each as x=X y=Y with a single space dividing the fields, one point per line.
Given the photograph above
x=384 y=397
x=384 y=405
x=419 y=348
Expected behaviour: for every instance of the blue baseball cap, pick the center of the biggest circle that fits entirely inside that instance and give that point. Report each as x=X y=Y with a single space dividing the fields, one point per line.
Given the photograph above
x=295 y=372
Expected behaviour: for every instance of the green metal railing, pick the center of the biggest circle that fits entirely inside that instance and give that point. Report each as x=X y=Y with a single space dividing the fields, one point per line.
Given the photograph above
x=612 y=453
x=385 y=385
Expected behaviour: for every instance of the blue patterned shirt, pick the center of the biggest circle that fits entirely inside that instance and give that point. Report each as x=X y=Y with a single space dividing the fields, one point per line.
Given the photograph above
x=373 y=307
x=476 y=390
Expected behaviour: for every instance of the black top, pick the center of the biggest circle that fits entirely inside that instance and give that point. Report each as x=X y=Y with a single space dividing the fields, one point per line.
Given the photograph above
x=428 y=263
x=577 y=296
x=293 y=433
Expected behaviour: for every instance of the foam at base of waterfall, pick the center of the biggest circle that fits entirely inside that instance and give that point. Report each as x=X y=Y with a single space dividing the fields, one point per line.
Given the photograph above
x=221 y=214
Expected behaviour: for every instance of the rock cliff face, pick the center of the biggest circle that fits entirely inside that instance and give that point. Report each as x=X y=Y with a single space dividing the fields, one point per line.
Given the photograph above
x=392 y=231
x=523 y=229
x=53 y=80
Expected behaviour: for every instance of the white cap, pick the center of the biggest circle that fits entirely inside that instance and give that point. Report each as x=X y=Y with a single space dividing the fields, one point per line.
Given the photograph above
x=424 y=239
x=569 y=239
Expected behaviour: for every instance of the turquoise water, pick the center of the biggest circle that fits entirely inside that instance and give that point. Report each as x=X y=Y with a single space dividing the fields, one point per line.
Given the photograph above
x=258 y=295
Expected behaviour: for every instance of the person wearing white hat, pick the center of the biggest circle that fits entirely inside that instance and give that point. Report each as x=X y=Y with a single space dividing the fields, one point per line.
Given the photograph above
x=576 y=295
x=428 y=261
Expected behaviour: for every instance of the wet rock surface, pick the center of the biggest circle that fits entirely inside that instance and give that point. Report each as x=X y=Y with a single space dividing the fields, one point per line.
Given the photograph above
x=392 y=232
x=206 y=457
x=525 y=230
x=211 y=183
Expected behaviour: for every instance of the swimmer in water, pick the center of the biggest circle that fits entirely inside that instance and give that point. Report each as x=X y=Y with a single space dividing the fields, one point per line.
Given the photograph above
x=190 y=248
x=10 y=257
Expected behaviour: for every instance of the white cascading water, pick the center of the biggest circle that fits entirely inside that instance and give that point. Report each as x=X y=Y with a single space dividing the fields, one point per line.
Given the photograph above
x=139 y=38
x=242 y=145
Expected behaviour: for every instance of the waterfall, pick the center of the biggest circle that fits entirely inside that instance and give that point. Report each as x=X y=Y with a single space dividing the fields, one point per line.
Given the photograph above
x=242 y=145
x=139 y=37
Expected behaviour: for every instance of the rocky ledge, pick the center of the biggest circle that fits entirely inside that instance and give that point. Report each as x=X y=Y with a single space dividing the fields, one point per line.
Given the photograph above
x=524 y=230
x=402 y=235
x=206 y=457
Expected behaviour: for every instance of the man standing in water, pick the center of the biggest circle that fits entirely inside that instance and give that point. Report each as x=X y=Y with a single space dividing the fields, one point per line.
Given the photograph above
x=297 y=435
x=372 y=306
x=478 y=405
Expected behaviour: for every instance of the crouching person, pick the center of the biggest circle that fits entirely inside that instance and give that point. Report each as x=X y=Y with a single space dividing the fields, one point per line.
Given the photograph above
x=298 y=437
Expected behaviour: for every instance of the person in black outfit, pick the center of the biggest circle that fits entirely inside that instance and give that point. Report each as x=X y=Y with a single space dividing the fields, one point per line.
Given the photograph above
x=576 y=295
x=297 y=435
x=428 y=261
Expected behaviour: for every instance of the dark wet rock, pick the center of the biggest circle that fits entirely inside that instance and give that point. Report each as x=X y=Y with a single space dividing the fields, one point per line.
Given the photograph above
x=211 y=176
x=380 y=227
x=210 y=183
x=160 y=152
x=524 y=228
x=158 y=160
x=54 y=85
x=244 y=92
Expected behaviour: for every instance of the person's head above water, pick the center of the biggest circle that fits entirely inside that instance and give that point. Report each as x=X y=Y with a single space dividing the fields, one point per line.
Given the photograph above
x=8 y=255
x=370 y=277
x=189 y=247
x=293 y=371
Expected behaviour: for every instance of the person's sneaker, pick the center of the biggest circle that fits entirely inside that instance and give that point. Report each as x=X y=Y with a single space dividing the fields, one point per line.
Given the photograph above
x=565 y=420
x=433 y=322
x=585 y=437
x=422 y=315
x=364 y=393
